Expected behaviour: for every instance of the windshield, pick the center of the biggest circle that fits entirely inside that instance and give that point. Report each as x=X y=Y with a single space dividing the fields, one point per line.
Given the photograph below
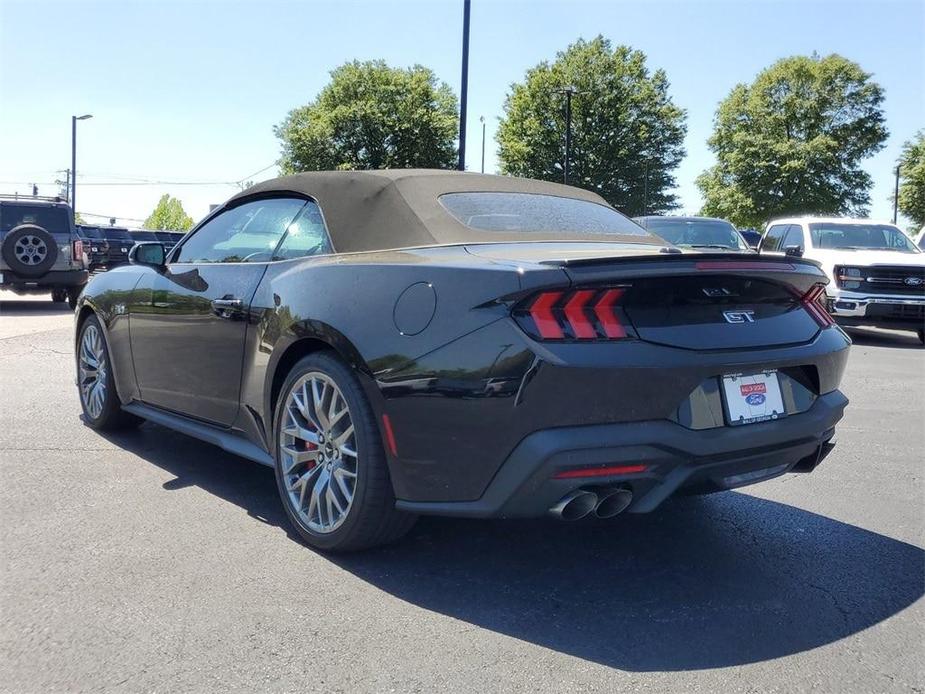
x=89 y=232
x=696 y=233
x=531 y=212
x=117 y=234
x=882 y=237
x=52 y=219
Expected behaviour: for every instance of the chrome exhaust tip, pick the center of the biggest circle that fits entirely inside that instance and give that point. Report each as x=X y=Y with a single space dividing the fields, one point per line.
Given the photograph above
x=613 y=502
x=574 y=505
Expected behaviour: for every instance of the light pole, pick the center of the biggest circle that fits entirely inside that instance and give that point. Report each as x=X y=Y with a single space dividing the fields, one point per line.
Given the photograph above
x=74 y=120
x=568 y=91
x=896 y=197
x=482 y=119
x=464 y=88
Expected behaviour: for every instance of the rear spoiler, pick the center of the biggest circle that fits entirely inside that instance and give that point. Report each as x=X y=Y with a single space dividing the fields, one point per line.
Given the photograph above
x=701 y=261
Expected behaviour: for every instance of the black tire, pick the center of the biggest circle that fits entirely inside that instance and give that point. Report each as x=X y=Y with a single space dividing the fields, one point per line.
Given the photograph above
x=72 y=295
x=59 y=296
x=371 y=519
x=111 y=416
x=922 y=336
x=41 y=246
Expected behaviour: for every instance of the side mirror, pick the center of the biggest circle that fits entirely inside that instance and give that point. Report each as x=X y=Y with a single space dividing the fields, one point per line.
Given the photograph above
x=793 y=251
x=148 y=253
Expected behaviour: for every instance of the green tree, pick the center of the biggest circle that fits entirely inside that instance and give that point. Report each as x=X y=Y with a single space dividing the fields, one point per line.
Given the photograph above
x=912 y=179
x=372 y=116
x=627 y=134
x=168 y=214
x=792 y=142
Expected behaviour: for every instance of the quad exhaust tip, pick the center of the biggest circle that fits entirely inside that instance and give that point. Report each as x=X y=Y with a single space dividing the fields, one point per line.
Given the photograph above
x=604 y=503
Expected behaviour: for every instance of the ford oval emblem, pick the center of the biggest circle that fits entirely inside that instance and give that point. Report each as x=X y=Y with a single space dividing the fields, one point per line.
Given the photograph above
x=913 y=281
x=755 y=399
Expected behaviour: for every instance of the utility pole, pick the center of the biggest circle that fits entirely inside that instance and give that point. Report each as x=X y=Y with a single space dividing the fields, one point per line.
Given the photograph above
x=74 y=120
x=464 y=88
x=482 y=119
x=896 y=197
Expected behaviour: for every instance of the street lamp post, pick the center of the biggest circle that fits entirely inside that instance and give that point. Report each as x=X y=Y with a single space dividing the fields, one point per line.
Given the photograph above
x=74 y=120
x=896 y=197
x=482 y=119
x=464 y=88
x=568 y=91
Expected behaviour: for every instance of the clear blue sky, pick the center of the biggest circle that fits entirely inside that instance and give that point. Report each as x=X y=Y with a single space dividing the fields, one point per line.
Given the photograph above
x=189 y=91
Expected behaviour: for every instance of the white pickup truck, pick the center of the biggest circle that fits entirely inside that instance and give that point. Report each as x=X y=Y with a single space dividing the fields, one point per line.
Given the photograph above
x=877 y=273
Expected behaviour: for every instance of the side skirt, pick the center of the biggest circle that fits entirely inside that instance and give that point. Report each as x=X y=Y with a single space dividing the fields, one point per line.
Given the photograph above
x=225 y=439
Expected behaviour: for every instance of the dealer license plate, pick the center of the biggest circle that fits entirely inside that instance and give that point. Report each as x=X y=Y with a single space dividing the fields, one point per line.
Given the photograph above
x=753 y=398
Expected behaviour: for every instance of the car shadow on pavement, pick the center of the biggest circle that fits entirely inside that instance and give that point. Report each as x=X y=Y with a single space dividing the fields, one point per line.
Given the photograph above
x=898 y=339
x=33 y=308
x=701 y=583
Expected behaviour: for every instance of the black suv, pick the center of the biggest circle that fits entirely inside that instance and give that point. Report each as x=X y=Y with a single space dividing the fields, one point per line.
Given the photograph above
x=120 y=243
x=95 y=245
x=40 y=250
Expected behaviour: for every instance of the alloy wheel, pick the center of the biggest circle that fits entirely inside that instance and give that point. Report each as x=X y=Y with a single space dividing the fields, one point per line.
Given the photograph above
x=318 y=452
x=92 y=371
x=30 y=250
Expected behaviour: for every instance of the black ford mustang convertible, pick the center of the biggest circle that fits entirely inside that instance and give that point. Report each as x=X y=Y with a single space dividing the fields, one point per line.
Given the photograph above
x=397 y=343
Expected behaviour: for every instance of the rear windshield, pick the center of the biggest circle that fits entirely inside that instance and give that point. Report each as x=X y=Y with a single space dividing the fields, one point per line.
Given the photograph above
x=860 y=237
x=144 y=236
x=52 y=219
x=531 y=212
x=117 y=234
x=696 y=233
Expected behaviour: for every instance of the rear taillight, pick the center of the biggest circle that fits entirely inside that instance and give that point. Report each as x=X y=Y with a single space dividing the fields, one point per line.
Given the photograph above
x=814 y=303
x=78 y=249
x=579 y=314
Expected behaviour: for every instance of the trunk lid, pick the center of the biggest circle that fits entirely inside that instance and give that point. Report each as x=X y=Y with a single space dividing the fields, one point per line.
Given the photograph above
x=690 y=300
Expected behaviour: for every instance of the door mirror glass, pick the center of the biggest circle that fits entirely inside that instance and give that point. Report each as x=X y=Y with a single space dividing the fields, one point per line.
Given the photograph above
x=148 y=253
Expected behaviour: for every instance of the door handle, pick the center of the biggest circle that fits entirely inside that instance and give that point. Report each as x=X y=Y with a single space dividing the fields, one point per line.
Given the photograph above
x=227 y=307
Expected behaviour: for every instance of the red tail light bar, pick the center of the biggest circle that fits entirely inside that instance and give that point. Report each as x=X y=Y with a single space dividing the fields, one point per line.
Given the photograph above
x=579 y=314
x=814 y=303
x=78 y=250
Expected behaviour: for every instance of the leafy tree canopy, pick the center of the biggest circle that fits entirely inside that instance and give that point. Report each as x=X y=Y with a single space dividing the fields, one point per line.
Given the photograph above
x=627 y=134
x=168 y=214
x=372 y=116
x=792 y=142
x=912 y=179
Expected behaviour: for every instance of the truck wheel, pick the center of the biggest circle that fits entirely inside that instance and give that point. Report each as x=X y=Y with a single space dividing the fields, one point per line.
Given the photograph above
x=59 y=296
x=29 y=250
x=72 y=294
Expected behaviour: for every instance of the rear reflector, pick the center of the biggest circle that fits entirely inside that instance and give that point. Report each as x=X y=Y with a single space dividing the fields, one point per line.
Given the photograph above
x=600 y=471
x=581 y=314
x=813 y=302
x=389 y=435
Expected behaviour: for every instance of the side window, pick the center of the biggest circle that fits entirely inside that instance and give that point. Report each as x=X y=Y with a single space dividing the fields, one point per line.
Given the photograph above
x=247 y=233
x=794 y=237
x=305 y=236
x=773 y=237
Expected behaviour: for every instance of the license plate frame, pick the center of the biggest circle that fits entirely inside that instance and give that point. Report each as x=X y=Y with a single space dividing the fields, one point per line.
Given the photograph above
x=752 y=398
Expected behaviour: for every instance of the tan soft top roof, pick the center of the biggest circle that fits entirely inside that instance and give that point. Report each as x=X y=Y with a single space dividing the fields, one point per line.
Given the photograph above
x=399 y=208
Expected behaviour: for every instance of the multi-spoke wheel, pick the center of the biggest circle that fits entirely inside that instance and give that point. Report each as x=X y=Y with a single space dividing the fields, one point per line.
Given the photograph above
x=98 y=398
x=330 y=465
x=318 y=452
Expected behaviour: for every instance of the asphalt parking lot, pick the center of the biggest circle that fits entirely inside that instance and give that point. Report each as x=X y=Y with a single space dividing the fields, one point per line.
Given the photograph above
x=150 y=561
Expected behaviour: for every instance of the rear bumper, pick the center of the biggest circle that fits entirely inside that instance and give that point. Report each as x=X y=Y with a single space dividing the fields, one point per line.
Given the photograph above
x=676 y=458
x=51 y=279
